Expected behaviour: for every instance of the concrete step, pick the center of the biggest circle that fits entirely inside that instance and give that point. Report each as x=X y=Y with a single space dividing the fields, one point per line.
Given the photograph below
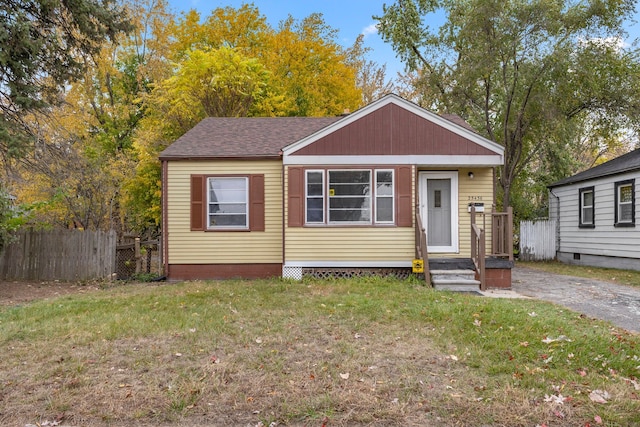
x=455 y=280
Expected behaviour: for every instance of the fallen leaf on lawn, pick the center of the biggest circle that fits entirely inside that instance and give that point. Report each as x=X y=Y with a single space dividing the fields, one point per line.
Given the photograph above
x=454 y=357
x=524 y=344
x=582 y=373
x=597 y=419
x=259 y=340
x=635 y=383
x=345 y=376
x=554 y=399
x=599 y=396
x=477 y=322
x=178 y=354
x=533 y=314
x=560 y=338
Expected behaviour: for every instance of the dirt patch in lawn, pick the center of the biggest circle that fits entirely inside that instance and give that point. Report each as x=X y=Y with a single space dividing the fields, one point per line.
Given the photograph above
x=18 y=293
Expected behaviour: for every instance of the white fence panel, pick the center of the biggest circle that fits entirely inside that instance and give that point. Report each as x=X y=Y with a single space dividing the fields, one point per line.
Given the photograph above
x=538 y=240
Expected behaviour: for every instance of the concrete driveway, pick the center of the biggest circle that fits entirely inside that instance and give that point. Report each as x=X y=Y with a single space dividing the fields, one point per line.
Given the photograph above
x=618 y=304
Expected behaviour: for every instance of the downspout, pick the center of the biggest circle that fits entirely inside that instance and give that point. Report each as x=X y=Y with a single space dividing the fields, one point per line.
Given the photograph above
x=557 y=221
x=283 y=212
x=164 y=253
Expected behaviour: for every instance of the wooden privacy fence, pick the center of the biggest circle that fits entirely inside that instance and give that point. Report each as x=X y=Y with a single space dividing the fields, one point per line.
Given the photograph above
x=66 y=255
x=538 y=240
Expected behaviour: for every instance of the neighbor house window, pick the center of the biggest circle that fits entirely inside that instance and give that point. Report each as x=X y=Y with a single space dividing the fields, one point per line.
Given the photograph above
x=352 y=196
x=227 y=202
x=587 y=205
x=625 y=214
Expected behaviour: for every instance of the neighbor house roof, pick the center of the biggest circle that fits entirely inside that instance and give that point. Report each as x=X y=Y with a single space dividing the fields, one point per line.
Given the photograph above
x=243 y=137
x=625 y=163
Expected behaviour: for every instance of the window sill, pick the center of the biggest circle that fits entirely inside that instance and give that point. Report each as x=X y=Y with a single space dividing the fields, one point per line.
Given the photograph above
x=350 y=225
x=624 y=224
x=587 y=226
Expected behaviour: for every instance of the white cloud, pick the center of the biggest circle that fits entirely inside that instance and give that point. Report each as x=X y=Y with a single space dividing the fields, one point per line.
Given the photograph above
x=371 y=29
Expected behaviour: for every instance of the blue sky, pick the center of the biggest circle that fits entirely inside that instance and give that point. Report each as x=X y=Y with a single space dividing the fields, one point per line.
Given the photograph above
x=349 y=17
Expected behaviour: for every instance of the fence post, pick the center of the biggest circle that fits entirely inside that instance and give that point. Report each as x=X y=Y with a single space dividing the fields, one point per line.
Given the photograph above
x=137 y=255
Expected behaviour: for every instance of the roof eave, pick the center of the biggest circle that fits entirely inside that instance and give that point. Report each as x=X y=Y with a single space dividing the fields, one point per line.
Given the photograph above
x=569 y=181
x=208 y=157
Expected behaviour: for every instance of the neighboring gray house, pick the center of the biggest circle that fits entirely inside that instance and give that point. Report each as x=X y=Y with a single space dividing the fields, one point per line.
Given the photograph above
x=596 y=212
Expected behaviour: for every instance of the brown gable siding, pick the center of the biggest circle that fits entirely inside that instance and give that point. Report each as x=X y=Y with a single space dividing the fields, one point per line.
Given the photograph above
x=392 y=130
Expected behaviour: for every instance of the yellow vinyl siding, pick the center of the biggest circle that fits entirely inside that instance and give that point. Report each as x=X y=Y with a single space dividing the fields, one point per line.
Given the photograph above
x=350 y=244
x=469 y=190
x=478 y=189
x=222 y=247
x=346 y=244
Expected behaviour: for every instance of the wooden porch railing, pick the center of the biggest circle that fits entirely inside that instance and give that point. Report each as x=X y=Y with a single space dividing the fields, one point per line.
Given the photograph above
x=502 y=233
x=478 y=249
x=421 y=246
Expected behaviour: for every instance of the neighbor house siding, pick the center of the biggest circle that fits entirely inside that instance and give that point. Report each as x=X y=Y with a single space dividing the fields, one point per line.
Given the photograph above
x=222 y=247
x=344 y=244
x=604 y=239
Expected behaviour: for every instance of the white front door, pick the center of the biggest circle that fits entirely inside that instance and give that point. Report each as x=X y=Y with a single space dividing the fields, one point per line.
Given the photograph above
x=439 y=208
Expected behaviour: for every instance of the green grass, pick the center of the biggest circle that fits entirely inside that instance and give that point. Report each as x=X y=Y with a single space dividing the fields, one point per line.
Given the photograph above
x=343 y=352
x=623 y=277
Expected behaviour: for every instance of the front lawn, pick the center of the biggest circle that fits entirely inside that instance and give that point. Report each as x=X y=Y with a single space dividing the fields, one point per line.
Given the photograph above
x=345 y=352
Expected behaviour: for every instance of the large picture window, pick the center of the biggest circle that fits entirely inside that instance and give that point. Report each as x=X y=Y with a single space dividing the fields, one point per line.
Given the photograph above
x=625 y=212
x=587 y=207
x=352 y=196
x=227 y=202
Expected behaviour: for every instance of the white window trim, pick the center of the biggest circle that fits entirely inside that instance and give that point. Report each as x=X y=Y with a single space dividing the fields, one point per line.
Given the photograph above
x=620 y=203
x=393 y=196
x=323 y=197
x=328 y=205
x=583 y=206
x=246 y=202
x=372 y=197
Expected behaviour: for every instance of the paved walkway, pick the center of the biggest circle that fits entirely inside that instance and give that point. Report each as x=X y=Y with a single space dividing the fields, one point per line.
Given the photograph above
x=602 y=300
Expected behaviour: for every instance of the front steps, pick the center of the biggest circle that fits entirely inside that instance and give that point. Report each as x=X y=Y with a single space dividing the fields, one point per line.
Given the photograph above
x=461 y=280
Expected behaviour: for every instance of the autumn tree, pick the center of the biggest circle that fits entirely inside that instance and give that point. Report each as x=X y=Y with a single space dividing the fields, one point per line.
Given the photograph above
x=529 y=74
x=313 y=71
x=44 y=46
x=232 y=63
x=85 y=145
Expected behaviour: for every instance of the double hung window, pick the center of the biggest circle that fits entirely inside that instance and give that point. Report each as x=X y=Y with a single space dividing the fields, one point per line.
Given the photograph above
x=227 y=202
x=625 y=203
x=587 y=207
x=349 y=196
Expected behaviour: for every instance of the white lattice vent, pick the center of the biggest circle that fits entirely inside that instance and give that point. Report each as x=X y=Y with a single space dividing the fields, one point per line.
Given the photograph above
x=294 y=273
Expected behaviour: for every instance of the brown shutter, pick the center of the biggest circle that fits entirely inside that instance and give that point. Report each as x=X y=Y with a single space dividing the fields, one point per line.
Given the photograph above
x=404 y=186
x=197 y=202
x=256 y=202
x=296 y=197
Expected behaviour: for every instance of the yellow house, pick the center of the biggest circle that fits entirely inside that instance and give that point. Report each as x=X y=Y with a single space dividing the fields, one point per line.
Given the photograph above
x=369 y=191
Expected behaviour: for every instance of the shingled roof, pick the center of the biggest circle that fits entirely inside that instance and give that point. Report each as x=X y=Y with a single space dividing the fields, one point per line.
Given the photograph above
x=625 y=163
x=243 y=137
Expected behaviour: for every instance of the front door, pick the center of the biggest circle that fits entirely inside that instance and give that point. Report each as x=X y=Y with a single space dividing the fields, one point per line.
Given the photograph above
x=439 y=207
